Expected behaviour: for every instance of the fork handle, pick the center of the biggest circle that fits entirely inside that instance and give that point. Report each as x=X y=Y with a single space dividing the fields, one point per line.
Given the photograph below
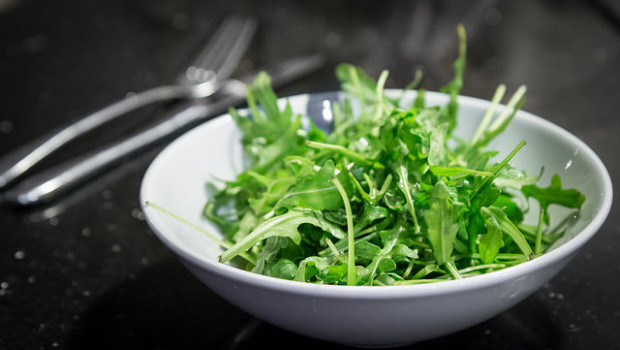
x=14 y=164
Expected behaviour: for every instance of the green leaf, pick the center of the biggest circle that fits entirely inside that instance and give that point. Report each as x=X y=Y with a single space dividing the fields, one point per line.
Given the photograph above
x=315 y=191
x=437 y=151
x=365 y=252
x=281 y=226
x=284 y=268
x=386 y=264
x=371 y=214
x=269 y=254
x=452 y=171
x=356 y=81
x=420 y=99
x=513 y=178
x=486 y=196
x=509 y=228
x=512 y=210
x=402 y=253
x=450 y=111
x=442 y=228
x=335 y=274
x=311 y=267
x=406 y=188
x=504 y=119
x=389 y=239
x=491 y=242
x=554 y=194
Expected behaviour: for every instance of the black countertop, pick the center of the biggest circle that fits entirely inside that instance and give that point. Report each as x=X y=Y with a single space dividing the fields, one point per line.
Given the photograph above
x=87 y=273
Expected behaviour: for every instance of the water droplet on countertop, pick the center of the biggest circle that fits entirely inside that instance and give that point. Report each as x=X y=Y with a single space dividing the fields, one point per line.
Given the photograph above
x=493 y=17
x=86 y=232
x=180 y=21
x=138 y=214
x=333 y=40
x=6 y=126
x=19 y=255
x=116 y=248
x=107 y=195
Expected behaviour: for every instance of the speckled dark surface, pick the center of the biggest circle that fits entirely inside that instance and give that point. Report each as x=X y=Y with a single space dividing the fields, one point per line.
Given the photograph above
x=87 y=273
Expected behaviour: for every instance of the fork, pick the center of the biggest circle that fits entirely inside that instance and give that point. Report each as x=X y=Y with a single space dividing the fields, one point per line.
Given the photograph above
x=214 y=63
x=56 y=181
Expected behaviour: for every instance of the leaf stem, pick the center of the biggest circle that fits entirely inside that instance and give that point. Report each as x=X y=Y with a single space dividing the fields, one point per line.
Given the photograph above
x=335 y=251
x=481 y=267
x=506 y=160
x=408 y=270
x=351 y=269
x=512 y=103
x=500 y=166
x=342 y=150
x=497 y=97
x=404 y=187
x=538 y=243
x=453 y=270
x=223 y=244
x=380 y=92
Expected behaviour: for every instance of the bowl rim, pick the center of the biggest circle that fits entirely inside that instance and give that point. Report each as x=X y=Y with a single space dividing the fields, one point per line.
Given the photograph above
x=154 y=220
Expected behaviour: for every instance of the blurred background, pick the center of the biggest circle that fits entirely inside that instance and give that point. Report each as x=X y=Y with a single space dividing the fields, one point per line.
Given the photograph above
x=86 y=272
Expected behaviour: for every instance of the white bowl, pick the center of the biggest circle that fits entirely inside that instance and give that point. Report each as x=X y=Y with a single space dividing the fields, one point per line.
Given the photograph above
x=369 y=316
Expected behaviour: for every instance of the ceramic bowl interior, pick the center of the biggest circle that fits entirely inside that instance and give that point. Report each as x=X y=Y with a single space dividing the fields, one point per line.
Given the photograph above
x=370 y=316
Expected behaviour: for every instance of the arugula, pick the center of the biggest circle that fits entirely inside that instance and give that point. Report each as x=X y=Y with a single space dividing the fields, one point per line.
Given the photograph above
x=390 y=197
x=554 y=194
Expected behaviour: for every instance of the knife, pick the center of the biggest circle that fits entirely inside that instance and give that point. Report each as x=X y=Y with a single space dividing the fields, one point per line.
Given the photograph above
x=54 y=182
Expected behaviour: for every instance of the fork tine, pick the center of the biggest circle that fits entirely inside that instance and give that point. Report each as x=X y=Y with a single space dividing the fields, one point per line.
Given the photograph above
x=226 y=31
x=225 y=49
x=229 y=59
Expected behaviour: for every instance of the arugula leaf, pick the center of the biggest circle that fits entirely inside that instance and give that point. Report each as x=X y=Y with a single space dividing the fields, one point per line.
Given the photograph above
x=555 y=194
x=449 y=112
x=491 y=242
x=315 y=191
x=284 y=268
x=508 y=228
x=284 y=225
x=442 y=228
